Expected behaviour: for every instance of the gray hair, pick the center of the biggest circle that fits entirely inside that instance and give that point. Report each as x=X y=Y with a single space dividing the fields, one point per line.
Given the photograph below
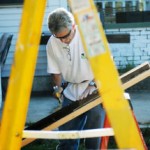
x=59 y=19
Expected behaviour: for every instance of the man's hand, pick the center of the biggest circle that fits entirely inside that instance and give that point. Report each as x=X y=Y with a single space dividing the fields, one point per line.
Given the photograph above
x=58 y=93
x=88 y=91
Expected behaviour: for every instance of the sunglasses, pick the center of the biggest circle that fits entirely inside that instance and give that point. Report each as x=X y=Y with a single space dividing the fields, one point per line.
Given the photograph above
x=63 y=37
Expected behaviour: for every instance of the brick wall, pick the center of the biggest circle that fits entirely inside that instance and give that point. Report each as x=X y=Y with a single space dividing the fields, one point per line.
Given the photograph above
x=135 y=52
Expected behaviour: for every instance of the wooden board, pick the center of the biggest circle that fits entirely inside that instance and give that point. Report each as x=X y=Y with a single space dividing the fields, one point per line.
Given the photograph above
x=69 y=112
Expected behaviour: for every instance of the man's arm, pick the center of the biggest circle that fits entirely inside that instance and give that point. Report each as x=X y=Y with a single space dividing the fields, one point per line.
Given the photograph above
x=57 y=78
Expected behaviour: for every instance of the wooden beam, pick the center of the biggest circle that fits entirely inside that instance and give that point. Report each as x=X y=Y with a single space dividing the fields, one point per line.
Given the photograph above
x=76 y=109
x=135 y=72
x=69 y=112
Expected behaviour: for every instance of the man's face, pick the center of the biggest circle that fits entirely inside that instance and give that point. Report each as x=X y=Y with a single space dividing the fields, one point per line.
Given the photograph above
x=66 y=35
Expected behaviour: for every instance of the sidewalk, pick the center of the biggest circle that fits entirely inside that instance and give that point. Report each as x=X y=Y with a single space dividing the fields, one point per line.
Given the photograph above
x=41 y=107
x=141 y=107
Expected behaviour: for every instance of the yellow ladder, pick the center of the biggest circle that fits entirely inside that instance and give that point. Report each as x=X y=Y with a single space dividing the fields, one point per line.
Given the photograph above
x=21 y=77
x=106 y=75
x=20 y=82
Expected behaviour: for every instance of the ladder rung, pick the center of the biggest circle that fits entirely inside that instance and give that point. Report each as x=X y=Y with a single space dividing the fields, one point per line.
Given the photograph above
x=68 y=134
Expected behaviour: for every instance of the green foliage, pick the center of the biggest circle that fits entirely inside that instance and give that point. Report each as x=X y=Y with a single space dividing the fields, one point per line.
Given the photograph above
x=128 y=67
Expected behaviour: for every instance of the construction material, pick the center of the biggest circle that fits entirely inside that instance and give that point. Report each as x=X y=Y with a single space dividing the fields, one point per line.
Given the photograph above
x=135 y=75
x=69 y=112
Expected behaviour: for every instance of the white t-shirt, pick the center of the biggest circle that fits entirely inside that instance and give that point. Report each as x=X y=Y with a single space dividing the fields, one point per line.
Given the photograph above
x=70 y=61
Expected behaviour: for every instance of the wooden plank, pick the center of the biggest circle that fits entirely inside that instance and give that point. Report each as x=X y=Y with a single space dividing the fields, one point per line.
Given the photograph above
x=137 y=79
x=135 y=72
x=61 y=116
x=62 y=113
x=66 y=118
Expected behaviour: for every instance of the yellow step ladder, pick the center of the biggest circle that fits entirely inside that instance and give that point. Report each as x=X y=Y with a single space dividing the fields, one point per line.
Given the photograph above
x=22 y=72
x=106 y=75
x=21 y=77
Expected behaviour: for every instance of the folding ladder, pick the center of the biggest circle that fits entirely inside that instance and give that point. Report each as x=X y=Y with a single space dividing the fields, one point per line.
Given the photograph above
x=23 y=67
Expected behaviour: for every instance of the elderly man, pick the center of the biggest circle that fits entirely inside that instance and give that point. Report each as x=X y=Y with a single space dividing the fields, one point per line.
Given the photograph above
x=66 y=59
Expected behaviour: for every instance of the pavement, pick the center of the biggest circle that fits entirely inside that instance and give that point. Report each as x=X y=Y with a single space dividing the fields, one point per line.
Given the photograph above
x=40 y=107
x=141 y=107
